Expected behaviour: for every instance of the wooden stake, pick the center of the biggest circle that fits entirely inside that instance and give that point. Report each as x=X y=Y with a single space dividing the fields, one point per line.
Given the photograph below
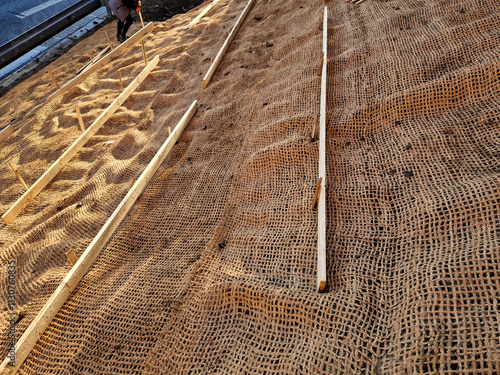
x=91 y=59
x=18 y=175
x=80 y=120
x=226 y=44
x=140 y=16
x=116 y=52
x=96 y=58
x=315 y=129
x=316 y=194
x=70 y=254
x=144 y=52
x=321 y=65
x=169 y=130
x=45 y=316
x=321 y=280
x=56 y=167
x=53 y=79
x=109 y=41
x=120 y=79
x=6 y=132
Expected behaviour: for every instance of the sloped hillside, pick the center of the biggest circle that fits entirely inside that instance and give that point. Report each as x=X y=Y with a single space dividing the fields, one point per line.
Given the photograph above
x=214 y=269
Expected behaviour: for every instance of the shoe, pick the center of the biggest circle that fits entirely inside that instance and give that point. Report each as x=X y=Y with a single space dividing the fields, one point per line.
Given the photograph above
x=120 y=38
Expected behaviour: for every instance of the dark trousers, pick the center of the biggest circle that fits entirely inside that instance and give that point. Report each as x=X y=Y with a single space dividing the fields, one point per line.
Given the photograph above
x=122 y=28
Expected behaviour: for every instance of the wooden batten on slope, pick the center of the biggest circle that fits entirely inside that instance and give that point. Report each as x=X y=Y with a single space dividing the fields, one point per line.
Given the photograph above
x=106 y=59
x=226 y=44
x=54 y=169
x=321 y=281
x=45 y=316
x=201 y=15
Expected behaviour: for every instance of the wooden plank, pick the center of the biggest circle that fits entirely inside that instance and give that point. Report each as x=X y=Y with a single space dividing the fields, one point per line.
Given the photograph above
x=226 y=44
x=40 y=323
x=321 y=282
x=54 y=169
x=106 y=59
x=6 y=132
x=201 y=15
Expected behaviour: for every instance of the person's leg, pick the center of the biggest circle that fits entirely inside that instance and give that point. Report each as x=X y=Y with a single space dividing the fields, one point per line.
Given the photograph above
x=128 y=22
x=119 y=28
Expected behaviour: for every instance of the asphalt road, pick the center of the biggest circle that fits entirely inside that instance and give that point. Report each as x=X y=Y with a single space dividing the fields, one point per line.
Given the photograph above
x=18 y=16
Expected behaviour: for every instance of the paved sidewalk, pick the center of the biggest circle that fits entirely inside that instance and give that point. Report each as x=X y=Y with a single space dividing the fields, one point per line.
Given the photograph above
x=66 y=38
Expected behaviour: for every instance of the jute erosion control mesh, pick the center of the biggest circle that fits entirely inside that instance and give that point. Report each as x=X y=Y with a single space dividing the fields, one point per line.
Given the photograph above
x=214 y=270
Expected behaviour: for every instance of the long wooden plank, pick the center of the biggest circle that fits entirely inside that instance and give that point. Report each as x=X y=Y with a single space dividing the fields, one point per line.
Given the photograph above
x=201 y=15
x=321 y=283
x=40 y=323
x=54 y=169
x=102 y=62
x=226 y=44
x=6 y=132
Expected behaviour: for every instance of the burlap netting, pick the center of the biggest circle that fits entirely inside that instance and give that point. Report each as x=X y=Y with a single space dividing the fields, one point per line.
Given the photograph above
x=413 y=161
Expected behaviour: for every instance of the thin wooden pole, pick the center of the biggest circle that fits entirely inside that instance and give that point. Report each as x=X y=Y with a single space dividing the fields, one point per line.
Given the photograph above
x=96 y=58
x=321 y=65
x=54 y=80
x=140 y=16
x=116 y=52
x=316 y=193
x=120 y=79
x=45 y=316
x=226 y=44
x=91 y=59
x=18 y=175
x=109 y=41
x=56 y=167
x=321 y=281
x=315 y=129
x=169 y=130
x=144 y=52
x=80 y=119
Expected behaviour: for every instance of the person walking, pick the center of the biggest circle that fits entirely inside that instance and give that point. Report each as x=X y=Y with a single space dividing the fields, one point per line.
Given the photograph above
x=121 y=9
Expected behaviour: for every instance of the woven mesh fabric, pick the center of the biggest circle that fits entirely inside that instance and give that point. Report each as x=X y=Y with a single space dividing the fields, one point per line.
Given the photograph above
x=413 y=148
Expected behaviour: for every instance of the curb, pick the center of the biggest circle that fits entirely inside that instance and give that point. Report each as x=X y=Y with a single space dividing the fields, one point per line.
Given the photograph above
x=27 y=64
